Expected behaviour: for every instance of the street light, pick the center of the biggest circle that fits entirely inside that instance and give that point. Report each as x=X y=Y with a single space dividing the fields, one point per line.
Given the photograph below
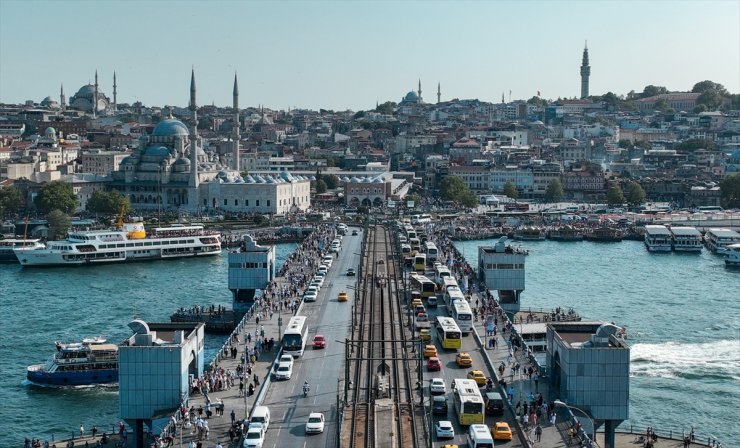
x=569 y=407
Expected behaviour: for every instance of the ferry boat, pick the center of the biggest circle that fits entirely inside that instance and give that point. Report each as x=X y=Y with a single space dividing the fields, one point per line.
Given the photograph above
x=733 y=255
x=529 y=234
x=604 y=235
x=130 y=243
x=658 y=238
x=566 y=233
x=717 y=240
x=7 y=245
x=91 y=361
x=686 y=239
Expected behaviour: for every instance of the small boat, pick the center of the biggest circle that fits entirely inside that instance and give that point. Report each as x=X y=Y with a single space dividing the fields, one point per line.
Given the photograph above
x=733 y=255
x=217 y=319
x=566 y=233
x=604 y=235
x=7 y=245
x=529 y=234
x=91 y=361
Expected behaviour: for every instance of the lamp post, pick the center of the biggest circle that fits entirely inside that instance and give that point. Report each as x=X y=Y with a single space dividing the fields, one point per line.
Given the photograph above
x=585 y=414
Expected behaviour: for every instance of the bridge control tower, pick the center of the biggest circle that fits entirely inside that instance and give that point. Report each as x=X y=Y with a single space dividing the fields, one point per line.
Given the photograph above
x=501 y=268
x=251 y=268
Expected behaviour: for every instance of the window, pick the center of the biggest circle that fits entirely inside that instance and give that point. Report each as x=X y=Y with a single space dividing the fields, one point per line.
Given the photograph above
x=226 y=201
x=268 y=202
x=258 y=203
x=236 y=202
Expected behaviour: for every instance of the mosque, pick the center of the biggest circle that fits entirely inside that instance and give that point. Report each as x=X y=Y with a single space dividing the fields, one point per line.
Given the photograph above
x=169 y=169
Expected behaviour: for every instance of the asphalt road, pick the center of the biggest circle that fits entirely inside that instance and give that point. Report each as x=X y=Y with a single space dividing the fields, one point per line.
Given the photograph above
x=321 y=368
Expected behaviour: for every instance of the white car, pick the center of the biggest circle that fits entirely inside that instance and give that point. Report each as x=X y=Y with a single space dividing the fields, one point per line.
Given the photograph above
x=285 y=358
x=328 y=260
x=254 y=438
x=322 y=269
x=444 y=429
x=437 y=386
x=310 y=296
x=319 y=279
x=315 y=423
x=284 y=371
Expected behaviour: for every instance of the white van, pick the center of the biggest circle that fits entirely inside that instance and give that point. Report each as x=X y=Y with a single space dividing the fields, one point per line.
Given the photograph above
x=261 y=414
x=479 y=436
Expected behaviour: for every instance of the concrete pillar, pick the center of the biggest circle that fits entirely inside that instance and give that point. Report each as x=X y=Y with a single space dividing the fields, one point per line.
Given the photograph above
x=609 y=428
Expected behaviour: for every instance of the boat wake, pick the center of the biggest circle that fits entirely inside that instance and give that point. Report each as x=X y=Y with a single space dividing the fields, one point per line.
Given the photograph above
x=99 y=386
x=717 y=360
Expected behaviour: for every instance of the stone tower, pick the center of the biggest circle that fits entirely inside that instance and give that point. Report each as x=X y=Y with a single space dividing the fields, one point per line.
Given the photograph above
x=237 y=125
x=439 y=93
x=585 y=72
x=419 y=92
x=95 y=98
x=193 y=183
x=62 y=98
x=115 y=98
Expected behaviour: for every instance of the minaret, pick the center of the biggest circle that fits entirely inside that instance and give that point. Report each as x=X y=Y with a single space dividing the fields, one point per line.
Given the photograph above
x=237 y=125
x=439 y=93
x=193 y=143
x=419 y=91
x=585 y=72
x=115 y=98
x=62 y=98
x=95 y=99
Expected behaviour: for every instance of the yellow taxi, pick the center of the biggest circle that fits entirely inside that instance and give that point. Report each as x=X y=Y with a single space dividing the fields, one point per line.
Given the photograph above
x=463 y=359
x=425 y=335
x=478 y=376
x=416 y=302
x=449 y=446
x=430 y=350
x=501 y=431
x=342 y=296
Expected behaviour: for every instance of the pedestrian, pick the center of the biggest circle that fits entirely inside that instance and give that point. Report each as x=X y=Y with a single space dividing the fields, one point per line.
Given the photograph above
x=538 y=432
x=536 y=382
x=82 y=431
x=233 y=414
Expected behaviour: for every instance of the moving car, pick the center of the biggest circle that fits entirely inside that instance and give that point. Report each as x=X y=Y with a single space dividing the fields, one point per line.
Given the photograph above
x=463 y=359
x=437 y=386
x=351 y=272
x=310 y=296
x=433 y=365
x=439 y=405
x=319 y=341
x=501 y=431
x=444 y=429
x=430 y=350
x=284 y=371
x=425 y=335
x=254 y=438
x=478 y=376
x=315 y=423
x=354 y=233
x=342 y=297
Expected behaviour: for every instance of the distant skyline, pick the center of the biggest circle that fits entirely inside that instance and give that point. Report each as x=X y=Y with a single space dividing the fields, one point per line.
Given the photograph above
x=350 y=55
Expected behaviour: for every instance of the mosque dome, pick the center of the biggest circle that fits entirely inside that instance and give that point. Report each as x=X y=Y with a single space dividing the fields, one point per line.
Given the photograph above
x=170 y=128
x=86 y=91
x=411 y=96
x=50 y=132
x=378 y=180
x=286 y=176
x=157 y=151
x=128 y=160
x=182 y=161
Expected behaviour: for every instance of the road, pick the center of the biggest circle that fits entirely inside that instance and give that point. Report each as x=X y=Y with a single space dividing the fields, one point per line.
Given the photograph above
x=321 y=368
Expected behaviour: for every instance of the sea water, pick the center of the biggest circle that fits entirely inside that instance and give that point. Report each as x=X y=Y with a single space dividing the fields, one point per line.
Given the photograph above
x=682 y=313
x=43 y=305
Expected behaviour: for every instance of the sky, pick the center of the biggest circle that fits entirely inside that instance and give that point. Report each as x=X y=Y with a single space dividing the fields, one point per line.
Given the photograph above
x=351 y=54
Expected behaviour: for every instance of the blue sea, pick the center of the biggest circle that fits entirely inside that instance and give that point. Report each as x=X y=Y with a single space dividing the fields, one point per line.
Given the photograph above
x=682 y=313
x=40 y=306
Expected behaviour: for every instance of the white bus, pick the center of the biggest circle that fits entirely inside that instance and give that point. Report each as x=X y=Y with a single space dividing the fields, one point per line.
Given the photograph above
x=421 y=219
x=452 y=293
x=295 y=336
x=431 y=250
x=463 y=315
x=440 y=273
x=448 y=282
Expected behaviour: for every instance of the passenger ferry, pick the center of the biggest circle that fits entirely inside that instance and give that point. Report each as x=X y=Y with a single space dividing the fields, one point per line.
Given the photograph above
x=733 y=255
x=717 y=240
x=130 y=243
x=566 y=233
x=7 y=246
x=91 y=361
x=529 y=234
x=686 y=239
x=658 y=238
x=604 y=235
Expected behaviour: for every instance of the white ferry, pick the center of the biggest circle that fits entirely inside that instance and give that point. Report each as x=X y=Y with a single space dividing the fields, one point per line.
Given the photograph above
x=717 y=240
x=130 y=243
x=686 y=239
x=733 y=255
x=658 y=238
x=7 y=245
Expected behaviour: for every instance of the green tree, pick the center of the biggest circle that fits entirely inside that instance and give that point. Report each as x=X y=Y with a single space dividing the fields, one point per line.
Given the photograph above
x=107 y=202
x=661 y=105
x=359 y=115
x=386 y=108
x=704 y=86
x=10 y=200
x=652 y=90
x=59 y=224
x=320 y=186
x=730 y=191
x=610 y=99
x=625 y=144
x=510 y=190
x=331 y=181
x=537 y=101
x=693 y=144
x=56 y=195
x=469 y=199
x=554 y=191
x=635 y=194
x=710 y=100
x=453 y=188
x=614 y=196
x=415 y=197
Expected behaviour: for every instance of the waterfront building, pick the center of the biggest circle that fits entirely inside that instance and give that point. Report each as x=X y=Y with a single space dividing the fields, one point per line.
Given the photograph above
x=101 y=162
x=251 y=268
x=501 y=268
x=156 y=366
x=589 y=365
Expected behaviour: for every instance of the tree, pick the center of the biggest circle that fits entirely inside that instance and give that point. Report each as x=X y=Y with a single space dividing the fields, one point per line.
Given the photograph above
x=107 y=202
x=537 y=101
x=710 y=100
x=625 y=144
x=320 y=186
x=56 y=195
x=635 y=194
x=730 y=191
x=610 y=99
x=693 y=144
x=652 y=90
x=453 y=188
x=661 y=105
x=469 y=199
x=386 y=108
x=10 y=200
x=414 y=197
x=59 y=224
x=554 y=190
x=331 y=181
x=510 y=190
x=704 y=86
x=614 y=196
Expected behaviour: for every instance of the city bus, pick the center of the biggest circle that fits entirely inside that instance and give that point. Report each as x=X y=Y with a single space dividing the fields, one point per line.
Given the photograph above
x=420 y=262
x=463 y=315
x=448 y=332
x=440 y=273
x=448 y=282
x=431 y=250
x=451 y=294
x=468 y=402
x=422 y=284
x=295 y=336
x=406 y=251
x=415 y=243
